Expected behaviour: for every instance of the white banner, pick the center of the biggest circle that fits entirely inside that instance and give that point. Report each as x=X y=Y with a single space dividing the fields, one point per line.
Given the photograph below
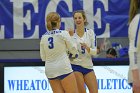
x=111 y=79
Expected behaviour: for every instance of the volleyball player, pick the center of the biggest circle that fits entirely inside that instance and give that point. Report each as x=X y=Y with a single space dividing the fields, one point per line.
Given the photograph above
x=86 y=43
x=134 y=45
x=53 y=46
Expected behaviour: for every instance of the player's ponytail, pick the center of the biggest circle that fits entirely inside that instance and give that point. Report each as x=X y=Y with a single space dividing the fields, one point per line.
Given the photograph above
x=53 y=19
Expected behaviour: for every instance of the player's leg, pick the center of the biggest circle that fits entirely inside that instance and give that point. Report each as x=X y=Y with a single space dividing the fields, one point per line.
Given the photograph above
x=136 y=90
x=91 y=82
x=80 y=82
x=69 y=84
x=78 y=72
x=56 y=86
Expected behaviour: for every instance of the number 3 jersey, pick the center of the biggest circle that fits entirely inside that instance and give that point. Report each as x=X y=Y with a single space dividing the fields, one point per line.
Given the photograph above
x=85 y=59
x=53 y=47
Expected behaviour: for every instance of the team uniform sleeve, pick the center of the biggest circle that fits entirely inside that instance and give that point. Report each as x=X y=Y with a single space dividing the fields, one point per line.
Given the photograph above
x=132 y=48
x=93 y=48
x=42 y=51
x=71 y=45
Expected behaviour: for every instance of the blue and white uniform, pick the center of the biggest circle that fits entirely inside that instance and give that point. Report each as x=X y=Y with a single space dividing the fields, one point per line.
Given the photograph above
x=53 y=46
x=134 y=46
x=85 y=59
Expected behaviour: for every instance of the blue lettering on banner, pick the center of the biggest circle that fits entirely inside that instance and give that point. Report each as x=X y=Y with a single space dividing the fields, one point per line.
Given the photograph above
x=113 y=84
x=16 y=85
x=25 y=19
x=103 y=84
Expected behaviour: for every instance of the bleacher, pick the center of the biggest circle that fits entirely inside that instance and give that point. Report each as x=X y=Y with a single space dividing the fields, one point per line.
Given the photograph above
x=27 y=50
x=19 y=49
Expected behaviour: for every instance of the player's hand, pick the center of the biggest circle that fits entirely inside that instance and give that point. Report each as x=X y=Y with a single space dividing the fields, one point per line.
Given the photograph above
x=71 y=31
x=84 y=45
x=136 y=86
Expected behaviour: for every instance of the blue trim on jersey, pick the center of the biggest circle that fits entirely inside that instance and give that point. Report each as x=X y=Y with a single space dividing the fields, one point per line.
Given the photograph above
x=46 y=33
x=95 y=40
x=85 y=30
x=138 y=29
x=55 y=31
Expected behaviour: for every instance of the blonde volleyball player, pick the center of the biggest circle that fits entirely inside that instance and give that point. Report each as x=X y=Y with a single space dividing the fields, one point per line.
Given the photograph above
x=53 y=46
x=86 y=43
x=134 y=45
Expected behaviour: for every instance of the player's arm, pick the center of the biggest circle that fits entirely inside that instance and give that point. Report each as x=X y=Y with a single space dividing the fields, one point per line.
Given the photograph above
x=42 y=51
x=70 y=43
x=133 y=27
x=93 y=48
x=133 y=51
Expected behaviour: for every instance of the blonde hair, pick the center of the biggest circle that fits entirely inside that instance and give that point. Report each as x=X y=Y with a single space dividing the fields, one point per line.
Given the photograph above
x=134 y=6
x=83 y=15
x=52 y=19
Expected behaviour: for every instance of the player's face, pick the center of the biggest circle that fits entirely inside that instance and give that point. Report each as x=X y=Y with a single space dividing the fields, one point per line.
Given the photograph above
x=78 y=19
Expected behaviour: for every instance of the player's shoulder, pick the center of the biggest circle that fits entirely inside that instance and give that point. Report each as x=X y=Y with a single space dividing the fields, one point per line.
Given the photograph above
x=64 y=32
x=136 y=18
x=90 y=31
x=135 y=21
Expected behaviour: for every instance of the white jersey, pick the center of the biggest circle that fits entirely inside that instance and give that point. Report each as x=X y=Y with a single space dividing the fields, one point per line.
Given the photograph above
x=85 y=58
x=134 y=46
x=53 y=46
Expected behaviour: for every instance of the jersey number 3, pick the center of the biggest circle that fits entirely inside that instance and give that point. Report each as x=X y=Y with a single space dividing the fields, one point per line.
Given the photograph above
x=51 y=43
